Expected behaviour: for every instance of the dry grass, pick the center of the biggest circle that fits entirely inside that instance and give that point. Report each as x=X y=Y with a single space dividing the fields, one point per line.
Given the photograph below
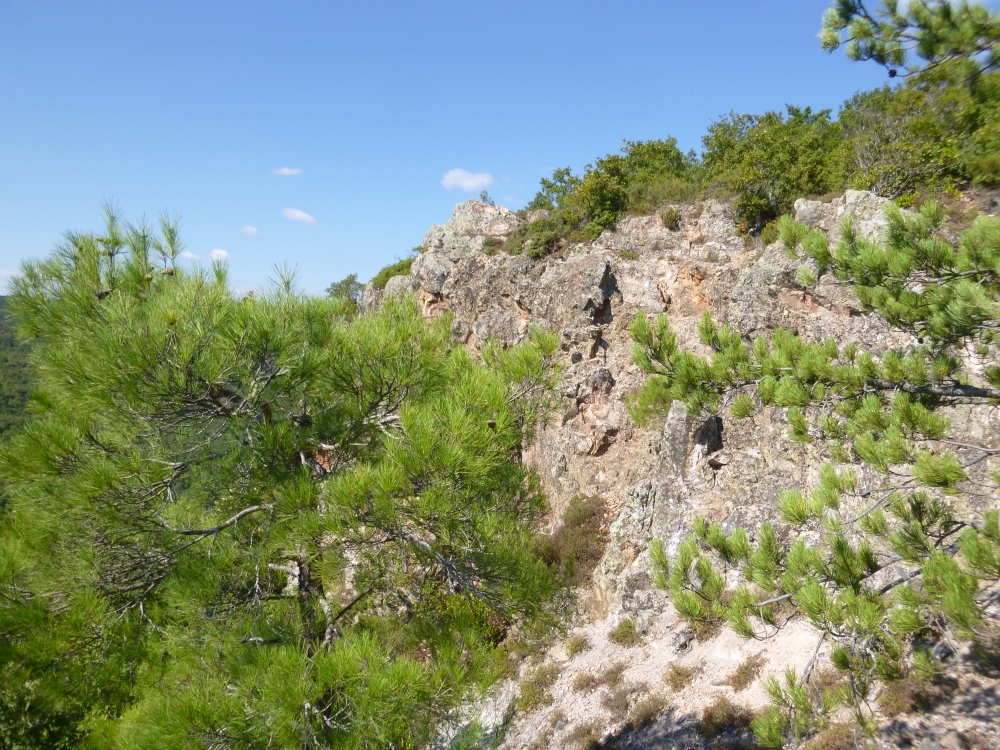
x=535 y=687
x=838 y=737
x=616 y=701
x=576 y=643
x=543 y=741
x=625 y=634
x=584 y=736
x=679 y=677
x=645 y=712
x=746 y=673
x=585 y=681
x=706 y=630
x=610 y=677
x=913 y=695
x=723 y=716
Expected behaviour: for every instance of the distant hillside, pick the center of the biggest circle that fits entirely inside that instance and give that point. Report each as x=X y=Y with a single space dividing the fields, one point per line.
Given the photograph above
x=14 y=375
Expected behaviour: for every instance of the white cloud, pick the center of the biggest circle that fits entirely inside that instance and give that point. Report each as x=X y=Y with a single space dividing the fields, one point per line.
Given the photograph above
x=288 y=171
x=215 y=255
x=249 y=231
x=467 y=181
x=295 y=215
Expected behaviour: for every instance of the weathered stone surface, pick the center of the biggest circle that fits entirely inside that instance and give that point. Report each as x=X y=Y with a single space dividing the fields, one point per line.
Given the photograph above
x=656 y=478
x=462 y=235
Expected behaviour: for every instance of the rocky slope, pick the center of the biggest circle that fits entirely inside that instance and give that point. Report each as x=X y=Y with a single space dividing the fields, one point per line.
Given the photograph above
x=657 y=480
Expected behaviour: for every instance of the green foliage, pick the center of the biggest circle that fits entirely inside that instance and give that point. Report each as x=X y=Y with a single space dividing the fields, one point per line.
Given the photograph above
x=399 y=268
x=573 y=550
x=250 y=520
x=943 y=125
x=576 y=644
x=492 y=245
x=538 y=239
x=15 y=374
x=348 y=291
x=903 y=140
x=554 y=191
x=796 y=712
x=671 y=218
x=625 y=634
x=935 y=565
x=535 y=687
x=922 y=35
x=770 y=160
x=617 y=183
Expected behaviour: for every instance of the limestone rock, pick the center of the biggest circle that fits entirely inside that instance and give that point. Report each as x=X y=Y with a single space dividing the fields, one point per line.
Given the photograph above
x=462 y=235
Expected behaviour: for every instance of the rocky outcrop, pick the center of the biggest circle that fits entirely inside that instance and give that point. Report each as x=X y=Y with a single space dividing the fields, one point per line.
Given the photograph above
x=656 y=479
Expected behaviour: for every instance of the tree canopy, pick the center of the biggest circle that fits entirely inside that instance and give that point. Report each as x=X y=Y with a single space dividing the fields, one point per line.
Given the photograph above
x=251 y=521
x=15 y=375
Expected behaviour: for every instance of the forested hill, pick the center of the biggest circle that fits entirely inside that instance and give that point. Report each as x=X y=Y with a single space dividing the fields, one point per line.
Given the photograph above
x=13 y=373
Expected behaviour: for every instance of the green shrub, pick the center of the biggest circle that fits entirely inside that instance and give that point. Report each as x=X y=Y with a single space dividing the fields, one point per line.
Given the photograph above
x=399 y=268
x=899 y=143
x=574 y=549
x=539 y=238
x=769 y=234
x=576 y=643
x=625 y=634
x=554 y=191
x=839 y=737
x=723 y=716
x=611 y=185
x=671 y=218
x=616 y=701
x=767 y=161
x=535 y=687
x=644 y=197
x=348 y=291
x=492 y=245
x=907 y=695
x=15 y=374
x=610 y=678
x=628 y=255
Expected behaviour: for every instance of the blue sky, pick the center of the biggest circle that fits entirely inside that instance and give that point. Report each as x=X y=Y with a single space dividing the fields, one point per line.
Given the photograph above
x=196 y=107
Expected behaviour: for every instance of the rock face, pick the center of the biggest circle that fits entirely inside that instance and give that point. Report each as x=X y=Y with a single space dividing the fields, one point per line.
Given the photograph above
x=655 y=479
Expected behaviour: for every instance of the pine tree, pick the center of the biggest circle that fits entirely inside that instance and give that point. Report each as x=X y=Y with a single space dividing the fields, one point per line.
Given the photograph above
x=255 y=521
x=923 y=35
x=907 y=561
